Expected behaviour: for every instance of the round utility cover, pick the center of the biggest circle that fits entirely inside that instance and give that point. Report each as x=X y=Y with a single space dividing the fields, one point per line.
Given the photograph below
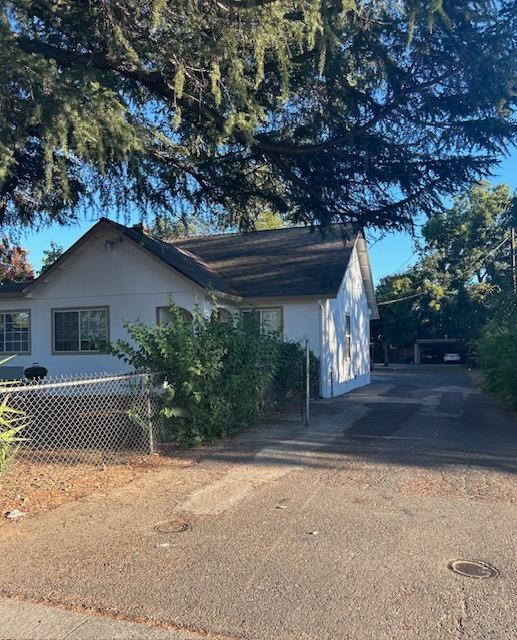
x=473 y=568
x=173 y=526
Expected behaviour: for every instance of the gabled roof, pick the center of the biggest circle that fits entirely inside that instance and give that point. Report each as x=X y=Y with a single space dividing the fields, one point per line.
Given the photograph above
x=282 y=262
x=292 y=261
x=173 y=255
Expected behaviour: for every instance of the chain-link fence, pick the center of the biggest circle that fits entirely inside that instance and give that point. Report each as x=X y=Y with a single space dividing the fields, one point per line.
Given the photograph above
x=84 y=419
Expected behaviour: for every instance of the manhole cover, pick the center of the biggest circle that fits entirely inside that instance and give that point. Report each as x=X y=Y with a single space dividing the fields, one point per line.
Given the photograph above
x=173 y=526
x=473 y=568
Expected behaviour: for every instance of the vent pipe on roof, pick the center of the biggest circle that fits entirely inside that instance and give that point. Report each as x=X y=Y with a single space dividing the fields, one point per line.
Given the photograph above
x=141 y=227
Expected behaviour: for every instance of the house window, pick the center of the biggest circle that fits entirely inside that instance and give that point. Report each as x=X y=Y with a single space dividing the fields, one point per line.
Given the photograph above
x=270 y=320
x=348 y=336
x=222 y=315
x=80 y=330
x=164 y=315
x=15 y=332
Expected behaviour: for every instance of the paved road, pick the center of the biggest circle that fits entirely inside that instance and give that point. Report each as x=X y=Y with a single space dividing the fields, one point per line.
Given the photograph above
x=339 y=531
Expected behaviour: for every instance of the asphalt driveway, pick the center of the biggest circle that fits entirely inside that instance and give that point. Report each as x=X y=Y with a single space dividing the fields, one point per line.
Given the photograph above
x=340 y=530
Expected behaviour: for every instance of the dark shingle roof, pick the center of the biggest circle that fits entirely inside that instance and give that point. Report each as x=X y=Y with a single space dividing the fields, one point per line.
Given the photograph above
x=14 y=287
x=282 y=262
x=179 y=258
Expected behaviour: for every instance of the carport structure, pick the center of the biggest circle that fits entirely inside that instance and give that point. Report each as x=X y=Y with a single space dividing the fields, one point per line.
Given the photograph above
x=439 y=345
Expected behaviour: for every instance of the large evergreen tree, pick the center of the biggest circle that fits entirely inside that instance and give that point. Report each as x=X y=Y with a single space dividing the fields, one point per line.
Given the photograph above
x=359 y=110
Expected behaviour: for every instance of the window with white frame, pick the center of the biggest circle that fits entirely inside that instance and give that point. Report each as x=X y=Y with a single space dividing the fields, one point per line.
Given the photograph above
x=164 y=315
x=270 y=320
x=15 y=331
x=80 y=330
x=348 y=336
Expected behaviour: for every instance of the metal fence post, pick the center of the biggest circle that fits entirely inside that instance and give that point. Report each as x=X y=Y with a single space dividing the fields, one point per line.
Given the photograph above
x=149 y=416
x=307 y=382
x=302 y=394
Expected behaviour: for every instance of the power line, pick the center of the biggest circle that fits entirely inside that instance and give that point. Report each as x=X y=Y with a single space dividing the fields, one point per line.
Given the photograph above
x=415 y=295
x=394 y=271
x=491 y=252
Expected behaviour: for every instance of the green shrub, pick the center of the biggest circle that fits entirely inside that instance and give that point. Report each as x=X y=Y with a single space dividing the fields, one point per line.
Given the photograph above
x=12 y=422
x=497 y=349
x=218 y=375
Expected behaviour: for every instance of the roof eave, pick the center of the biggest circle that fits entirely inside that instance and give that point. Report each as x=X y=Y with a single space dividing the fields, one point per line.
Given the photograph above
x=367 y=277
x=294 y=296
x=106 y=223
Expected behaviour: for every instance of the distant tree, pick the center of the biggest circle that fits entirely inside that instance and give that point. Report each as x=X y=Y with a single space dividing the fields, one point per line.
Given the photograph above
x=168 y=228
x=269 y=220
x=363 y=111
x=51 y=254
x=462 y=277
x=468 y=244
x=14 y=263
x=188 y=226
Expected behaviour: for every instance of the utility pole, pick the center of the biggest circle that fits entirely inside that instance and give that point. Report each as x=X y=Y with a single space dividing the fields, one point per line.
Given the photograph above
x=513 y=259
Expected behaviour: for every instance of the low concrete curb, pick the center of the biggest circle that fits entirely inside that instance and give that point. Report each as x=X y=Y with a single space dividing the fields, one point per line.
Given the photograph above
x=30 y=621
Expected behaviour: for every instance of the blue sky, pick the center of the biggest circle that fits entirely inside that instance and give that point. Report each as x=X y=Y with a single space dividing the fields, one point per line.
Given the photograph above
x=395 y=252
x=388 y=254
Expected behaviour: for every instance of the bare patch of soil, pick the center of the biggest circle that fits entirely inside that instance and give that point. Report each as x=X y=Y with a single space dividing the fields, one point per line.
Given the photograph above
x=473 y=484
x=32 y=487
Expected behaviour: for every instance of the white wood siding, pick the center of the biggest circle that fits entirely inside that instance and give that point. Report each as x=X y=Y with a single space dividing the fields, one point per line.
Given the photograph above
x=347 y=373
x=126 y=279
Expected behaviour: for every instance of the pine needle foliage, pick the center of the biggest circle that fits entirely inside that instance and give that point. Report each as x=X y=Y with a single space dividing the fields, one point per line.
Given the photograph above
x=365 y=111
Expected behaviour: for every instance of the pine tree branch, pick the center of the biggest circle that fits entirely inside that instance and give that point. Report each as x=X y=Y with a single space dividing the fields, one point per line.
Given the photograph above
x=157 y=84
x=152 y=80
x=244 y=4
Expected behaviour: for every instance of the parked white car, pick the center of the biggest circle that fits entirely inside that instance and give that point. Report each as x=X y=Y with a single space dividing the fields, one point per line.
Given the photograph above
x=453 y=358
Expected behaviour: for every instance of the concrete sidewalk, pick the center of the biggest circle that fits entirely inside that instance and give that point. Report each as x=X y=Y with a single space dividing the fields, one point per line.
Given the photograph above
x=30 y=621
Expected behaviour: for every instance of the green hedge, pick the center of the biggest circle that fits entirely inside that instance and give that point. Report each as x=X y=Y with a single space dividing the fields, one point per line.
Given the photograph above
x=219 y=375
x=497 y=350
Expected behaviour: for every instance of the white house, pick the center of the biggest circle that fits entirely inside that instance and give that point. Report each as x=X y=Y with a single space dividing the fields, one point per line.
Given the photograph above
x=303 y=284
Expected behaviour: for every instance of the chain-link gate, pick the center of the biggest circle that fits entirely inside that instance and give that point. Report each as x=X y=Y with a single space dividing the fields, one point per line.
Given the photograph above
x=84 y=418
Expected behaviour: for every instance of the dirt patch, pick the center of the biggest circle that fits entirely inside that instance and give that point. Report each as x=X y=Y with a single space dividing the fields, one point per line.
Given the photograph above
x=473 y=484
x=359 y=476
x=34 y=487
x=470 y=483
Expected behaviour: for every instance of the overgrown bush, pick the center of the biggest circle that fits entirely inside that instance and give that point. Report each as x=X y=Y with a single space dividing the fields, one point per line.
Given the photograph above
x=217 y=373
x=12 y=422
x=497 y=349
